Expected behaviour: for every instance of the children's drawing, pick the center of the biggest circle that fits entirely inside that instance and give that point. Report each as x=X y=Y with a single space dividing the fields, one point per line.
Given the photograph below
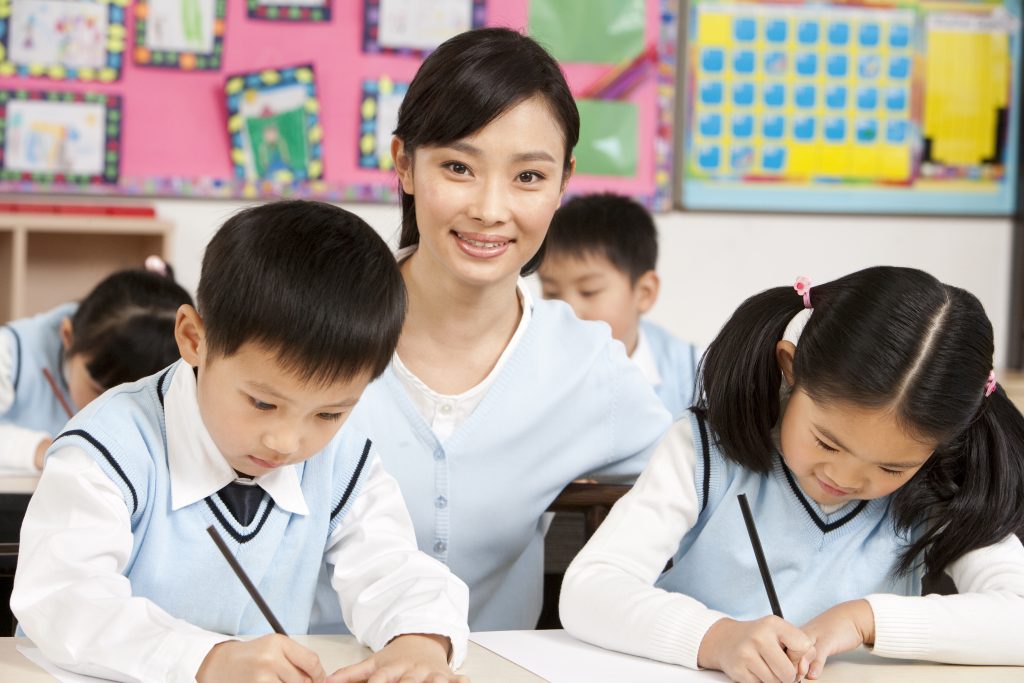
x=183 y=34
x=274 y=125
x=378 y=116
x=62 y=39
x=59 y=137
x=290 y=10
x=412 y=26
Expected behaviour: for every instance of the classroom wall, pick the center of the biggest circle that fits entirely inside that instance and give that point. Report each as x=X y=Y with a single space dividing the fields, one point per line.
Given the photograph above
x=710 y=262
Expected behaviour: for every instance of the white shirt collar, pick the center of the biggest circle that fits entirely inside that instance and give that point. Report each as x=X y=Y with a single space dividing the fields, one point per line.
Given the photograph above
x=197 y=468
x=643 y=356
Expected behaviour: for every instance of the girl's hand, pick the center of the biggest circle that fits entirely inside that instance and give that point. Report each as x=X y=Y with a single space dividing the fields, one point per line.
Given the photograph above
x=411 y=658
x=767 y=650
x=269 y=658
x=844 y=627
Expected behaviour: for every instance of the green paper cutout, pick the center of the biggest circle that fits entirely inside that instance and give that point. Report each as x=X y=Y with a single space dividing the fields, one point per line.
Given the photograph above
x=609 y=134
x=596 y=31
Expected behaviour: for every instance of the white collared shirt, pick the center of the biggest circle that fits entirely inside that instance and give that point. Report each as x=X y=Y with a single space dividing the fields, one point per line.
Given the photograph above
x=643 y=356
x=76 y=541
x=17 y=444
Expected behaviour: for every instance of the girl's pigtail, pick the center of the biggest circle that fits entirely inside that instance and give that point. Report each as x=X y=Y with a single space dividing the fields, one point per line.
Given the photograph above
x=739 y=377
x=971 y=489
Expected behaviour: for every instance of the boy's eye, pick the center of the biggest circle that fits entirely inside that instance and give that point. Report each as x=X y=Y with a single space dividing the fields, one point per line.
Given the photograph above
x=261 y=405
x=825 y=447
x=589 y=293
x=330 y=417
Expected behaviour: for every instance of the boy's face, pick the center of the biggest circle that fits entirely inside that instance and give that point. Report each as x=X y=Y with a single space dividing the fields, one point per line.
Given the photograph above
x=597 y=290
x=259 y=414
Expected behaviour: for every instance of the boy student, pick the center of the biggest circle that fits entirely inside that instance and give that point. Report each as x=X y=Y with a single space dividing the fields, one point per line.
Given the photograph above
x=600 y=256
x=300 y=305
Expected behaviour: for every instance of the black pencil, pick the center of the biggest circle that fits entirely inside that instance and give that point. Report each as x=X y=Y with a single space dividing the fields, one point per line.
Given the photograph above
x=762 y=564
x=58 y=393
x=244 y=578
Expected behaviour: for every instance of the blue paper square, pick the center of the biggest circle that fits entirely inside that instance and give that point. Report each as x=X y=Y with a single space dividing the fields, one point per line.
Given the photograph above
x=896 y=131
x=899 y=67
x=709 y=157
x=869 y=66
x=773 y=126
x=743 y=94
x=711 y=93
x=804 y=96
x=899 y=35
x=869 y=34
x=867 y=130
x=773 y=158
x=742 y=125
x=807 y=33
x=839 y=33
x=895 y=99
x=775 y=63
x=774 y=94
x=744 y=29
x=712 y=59
x=867 y=98
x=775 y=31
x=806 y=64
x=835 y=129
x=710 y=125
x=743 y=62
x=835 y=97
x=835 y=65
x=803 y=128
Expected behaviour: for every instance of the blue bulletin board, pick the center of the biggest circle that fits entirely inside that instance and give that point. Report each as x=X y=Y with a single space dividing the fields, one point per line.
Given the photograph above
x=880 y=107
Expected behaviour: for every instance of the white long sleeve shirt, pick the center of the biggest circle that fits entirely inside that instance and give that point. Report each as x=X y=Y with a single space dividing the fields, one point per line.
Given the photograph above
x=17 y=444
x=71 y=597
x=609 y=598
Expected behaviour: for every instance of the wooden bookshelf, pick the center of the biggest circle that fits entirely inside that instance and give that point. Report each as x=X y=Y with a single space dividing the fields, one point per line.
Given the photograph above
x=47 y=259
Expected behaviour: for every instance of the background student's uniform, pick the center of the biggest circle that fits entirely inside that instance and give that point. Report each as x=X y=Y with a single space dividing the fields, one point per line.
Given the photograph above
x=479 y=470
x=118 y=575
x=684 y=507
x=669 y=364
x=29 y=410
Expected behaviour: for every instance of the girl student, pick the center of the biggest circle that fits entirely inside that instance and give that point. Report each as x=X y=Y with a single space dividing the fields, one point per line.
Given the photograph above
x=55 y=363
x=889 y=451
x=494 y=402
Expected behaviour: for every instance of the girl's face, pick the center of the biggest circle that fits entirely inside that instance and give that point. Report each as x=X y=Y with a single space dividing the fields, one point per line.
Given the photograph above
x=841 y=452
x=484 y=203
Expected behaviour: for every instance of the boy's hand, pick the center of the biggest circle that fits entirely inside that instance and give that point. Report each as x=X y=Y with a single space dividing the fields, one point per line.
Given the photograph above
x=410 y=658
x=844 y=627
x=768 y=649
x=269 y=658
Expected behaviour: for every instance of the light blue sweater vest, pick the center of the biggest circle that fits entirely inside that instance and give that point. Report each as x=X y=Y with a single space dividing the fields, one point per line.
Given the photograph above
x=567 y=402
x=174 y=562
x=676 y=361
x=816 y=560
x=36 y=344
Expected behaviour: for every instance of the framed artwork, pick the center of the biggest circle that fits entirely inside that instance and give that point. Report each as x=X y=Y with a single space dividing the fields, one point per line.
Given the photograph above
x=63 y=40
x=414 y=27
x=877 y=107
x=290 y=10
x=180 y=34
x=60 y=137
x=274 y=124
x=378 y=116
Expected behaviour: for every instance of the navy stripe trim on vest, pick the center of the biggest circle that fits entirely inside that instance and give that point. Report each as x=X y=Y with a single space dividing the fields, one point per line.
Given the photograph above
x=705 y=448
x=160 y=386
x=110 y=459
x=352 y=482
x=241 y=538
x=814 y=515
x=17 y=356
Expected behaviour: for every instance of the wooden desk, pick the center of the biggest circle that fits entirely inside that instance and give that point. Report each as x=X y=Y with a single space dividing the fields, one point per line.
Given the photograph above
x=481 y=665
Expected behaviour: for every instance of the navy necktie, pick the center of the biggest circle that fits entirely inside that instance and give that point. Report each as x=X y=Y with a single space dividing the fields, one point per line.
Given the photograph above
x=242 y=501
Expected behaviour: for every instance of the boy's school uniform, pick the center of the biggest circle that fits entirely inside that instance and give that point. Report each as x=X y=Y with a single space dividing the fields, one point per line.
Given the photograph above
x=565 y=402
x=684 y=507
x=118 y=576
x=669 y=364
x=29 y=410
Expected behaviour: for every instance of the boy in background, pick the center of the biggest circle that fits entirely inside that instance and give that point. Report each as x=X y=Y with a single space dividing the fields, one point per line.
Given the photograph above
x=300 y=306
x=600 y=257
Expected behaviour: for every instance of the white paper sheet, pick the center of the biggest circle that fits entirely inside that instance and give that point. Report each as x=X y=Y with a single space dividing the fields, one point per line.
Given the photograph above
x=34 y=654
x=560 y=658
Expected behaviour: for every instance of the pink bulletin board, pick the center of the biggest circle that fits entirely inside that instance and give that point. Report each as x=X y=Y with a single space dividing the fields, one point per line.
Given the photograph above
x=173 y=134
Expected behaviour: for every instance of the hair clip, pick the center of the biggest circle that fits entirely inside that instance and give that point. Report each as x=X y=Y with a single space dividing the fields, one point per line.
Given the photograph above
x=155 y=264
x=803 y=288
x=990 y=384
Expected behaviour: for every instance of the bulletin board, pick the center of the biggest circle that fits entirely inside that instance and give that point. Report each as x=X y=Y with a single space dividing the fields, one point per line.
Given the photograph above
x=297 y=98
x=875 y=107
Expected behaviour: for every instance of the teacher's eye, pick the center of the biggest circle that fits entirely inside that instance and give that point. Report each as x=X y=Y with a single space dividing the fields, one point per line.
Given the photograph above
x=456 y=167
x=530 y=177
x=825 y=447
x=261 y=405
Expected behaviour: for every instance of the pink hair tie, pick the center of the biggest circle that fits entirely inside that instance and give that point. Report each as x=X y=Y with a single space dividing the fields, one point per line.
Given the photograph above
x=990 y=385
x=803 y=288
x=155 y=264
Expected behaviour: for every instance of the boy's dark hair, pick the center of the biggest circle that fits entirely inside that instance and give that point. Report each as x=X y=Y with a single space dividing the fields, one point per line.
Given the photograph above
x=309 y=280
x=124 y=327
x=884 y=338
x=608 y=225
x=467 y=82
